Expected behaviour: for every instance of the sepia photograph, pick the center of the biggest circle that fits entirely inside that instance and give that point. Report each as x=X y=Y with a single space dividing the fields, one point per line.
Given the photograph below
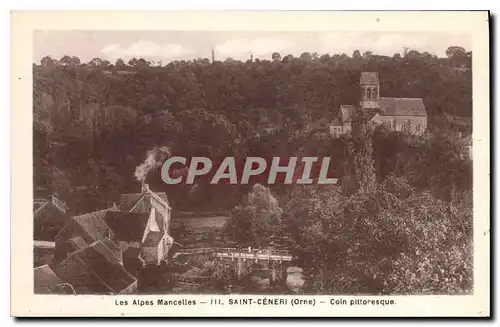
x=394 y=116
x=253 y=163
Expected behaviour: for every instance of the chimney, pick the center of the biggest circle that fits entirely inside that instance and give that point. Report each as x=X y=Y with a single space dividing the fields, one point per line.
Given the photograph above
x=145 y=187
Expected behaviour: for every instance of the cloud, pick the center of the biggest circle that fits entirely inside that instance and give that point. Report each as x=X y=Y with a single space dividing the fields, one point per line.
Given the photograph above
x=388 y=43
x=145 y=49
x=259 y=47
x=382 y=44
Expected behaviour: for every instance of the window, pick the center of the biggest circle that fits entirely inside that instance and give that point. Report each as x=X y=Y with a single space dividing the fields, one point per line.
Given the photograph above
x=375 y=93
x=368 y=94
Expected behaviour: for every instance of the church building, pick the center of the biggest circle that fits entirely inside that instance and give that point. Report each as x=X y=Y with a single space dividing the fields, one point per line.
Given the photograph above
x=397 y=114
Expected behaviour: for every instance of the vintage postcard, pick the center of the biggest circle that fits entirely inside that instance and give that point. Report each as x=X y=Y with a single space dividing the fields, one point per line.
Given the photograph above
x=314 y=164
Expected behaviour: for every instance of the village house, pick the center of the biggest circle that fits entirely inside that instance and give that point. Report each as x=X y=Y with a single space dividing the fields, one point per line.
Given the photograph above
x=80 y=231
x=151 y=213
x=136 y=231
x=49 y=216
x=396 y=114
x=96 y=270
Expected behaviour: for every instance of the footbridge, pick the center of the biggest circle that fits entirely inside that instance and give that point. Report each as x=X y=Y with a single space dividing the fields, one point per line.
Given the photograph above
x=240 y=254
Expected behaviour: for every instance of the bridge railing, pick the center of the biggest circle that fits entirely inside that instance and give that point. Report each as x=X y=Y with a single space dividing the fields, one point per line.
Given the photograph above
x=235 y=250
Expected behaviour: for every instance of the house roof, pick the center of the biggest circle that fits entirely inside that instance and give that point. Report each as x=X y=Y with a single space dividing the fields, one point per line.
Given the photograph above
x=127 y=226
x=402 y=107
x=93 y=224
x=129 y=201
x=42 y=204
x=347 y=112
x=48 y=212
x=77 y=243
x=102 y=263
x=153 y=238
x=114 y=248
x=369 y=78
x=45 y=279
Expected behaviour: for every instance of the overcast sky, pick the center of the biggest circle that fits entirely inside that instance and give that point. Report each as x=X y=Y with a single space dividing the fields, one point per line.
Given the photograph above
x=168 y=46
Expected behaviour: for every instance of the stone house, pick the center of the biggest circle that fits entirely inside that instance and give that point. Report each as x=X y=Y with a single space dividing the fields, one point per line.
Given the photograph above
x=155 y=211
x=397 y=114
x=80 y=231
x=125 y=230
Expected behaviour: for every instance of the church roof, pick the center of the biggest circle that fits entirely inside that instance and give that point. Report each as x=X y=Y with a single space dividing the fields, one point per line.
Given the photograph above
x=402 y=107
x=347 y=112
x=369 y=78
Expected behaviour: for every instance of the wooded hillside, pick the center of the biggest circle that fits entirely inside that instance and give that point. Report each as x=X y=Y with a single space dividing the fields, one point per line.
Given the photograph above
x=94 y=122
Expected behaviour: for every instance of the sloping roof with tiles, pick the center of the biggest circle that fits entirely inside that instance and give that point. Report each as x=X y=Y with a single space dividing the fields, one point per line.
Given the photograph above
x=94 y=224
x=127 y=226
x=402 y=107
x=98 y=260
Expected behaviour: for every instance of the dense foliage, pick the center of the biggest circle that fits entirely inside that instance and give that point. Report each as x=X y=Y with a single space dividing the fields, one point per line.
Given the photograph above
x=94 y=122
x=399 y=222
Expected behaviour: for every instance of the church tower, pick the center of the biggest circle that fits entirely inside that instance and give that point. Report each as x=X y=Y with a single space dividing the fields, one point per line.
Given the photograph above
x=370 y=89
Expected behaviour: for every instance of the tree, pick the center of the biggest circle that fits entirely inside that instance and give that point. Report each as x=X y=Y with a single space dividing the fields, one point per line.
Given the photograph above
x=306 y=56
x=75 y=61
x=276 y=56
x=413 y=54
x=325 y=58
x=455 y=51
x=132 y=62
x=66 y=60
x=257 y=218
x=362 y=150
x=47 y=62
x=96 y=62
x=356 y=55
x=142 y=63
x=367 y=54
x=288 y=58
x=120 y=63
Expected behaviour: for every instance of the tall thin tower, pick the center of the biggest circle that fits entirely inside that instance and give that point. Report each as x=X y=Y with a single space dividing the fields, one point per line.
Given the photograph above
x=213 y=55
